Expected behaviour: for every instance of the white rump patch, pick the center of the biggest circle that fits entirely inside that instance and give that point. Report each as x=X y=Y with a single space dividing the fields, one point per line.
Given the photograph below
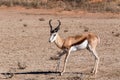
x=83 y=45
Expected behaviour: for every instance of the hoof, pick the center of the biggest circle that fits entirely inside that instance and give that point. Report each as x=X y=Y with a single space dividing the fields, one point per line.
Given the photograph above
x=93 y=72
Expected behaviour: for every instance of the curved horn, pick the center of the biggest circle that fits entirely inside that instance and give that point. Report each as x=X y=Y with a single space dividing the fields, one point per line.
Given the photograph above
x=59 y=23
x=50 y=24
x=58 y=27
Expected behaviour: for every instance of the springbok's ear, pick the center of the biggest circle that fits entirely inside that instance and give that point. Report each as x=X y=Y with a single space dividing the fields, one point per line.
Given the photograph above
x=56 y=29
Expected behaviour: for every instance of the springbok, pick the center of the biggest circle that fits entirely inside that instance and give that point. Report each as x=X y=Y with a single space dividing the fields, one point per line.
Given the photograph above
x=87 y=41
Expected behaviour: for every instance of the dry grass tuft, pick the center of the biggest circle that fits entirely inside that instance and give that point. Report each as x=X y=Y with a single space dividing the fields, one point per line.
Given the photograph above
x=74 y=78
x=21 y=65
x=25 y=25
x=41 y=19
x=89 y=5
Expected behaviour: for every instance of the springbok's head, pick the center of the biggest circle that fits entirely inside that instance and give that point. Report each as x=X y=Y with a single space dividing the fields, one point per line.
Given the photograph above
x=54 y=32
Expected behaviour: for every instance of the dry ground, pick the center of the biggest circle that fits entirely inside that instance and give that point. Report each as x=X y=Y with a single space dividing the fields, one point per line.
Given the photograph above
x=24 y=38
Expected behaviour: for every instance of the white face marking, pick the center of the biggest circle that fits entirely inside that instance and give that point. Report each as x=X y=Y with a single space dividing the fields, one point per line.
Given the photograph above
x=83 y=45
x=53 y=37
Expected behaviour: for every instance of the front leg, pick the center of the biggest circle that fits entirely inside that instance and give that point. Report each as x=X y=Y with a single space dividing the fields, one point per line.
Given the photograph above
x=59 y=59
x=65 y=61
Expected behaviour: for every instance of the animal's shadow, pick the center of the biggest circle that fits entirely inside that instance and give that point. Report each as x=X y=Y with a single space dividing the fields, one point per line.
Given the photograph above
x=10 y=75
x=39 y=72
x=32 y=72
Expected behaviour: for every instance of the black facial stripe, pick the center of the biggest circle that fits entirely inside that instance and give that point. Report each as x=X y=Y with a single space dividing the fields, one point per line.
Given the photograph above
x=53 y=31
x=53 y=36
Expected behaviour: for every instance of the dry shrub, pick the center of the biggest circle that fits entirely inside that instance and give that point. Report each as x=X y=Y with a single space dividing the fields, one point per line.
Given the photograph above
x=66 y=30
x=41 y=19
x=89 y=5
x=74 y=78
x=21 y=65
x=31 y=79
x=116 y=34
x=26 y=3
x=25 y=25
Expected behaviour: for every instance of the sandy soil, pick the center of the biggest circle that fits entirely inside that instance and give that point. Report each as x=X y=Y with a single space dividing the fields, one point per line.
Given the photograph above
x=25 y=50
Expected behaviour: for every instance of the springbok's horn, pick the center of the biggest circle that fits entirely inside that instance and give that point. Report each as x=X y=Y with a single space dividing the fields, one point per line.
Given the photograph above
x=59 y=24
x=50 y=24
x=58 y=27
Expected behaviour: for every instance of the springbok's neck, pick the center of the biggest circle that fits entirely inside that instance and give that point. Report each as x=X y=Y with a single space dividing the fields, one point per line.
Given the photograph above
x=59 y=41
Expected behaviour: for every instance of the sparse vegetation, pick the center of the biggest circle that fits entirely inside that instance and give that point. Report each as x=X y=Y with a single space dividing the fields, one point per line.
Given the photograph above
x=116 y=34
x=21 y=65
x=74 y=78
x=41 y=19
x=89 y=5
x=31 y=79
x=26 y=53
x=25 y=25
x=65 y=30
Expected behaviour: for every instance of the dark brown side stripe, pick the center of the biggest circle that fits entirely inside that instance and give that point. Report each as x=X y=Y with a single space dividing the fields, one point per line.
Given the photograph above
x=79 y=42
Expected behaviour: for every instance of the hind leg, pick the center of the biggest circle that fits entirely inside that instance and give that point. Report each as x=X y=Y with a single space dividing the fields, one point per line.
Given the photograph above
x=96 y=62
x=94 y=53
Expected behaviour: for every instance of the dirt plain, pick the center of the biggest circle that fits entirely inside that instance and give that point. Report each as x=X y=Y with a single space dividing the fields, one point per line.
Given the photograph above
x=24 y=35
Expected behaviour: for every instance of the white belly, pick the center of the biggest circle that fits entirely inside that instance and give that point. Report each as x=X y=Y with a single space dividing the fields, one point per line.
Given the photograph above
x=83 y=45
